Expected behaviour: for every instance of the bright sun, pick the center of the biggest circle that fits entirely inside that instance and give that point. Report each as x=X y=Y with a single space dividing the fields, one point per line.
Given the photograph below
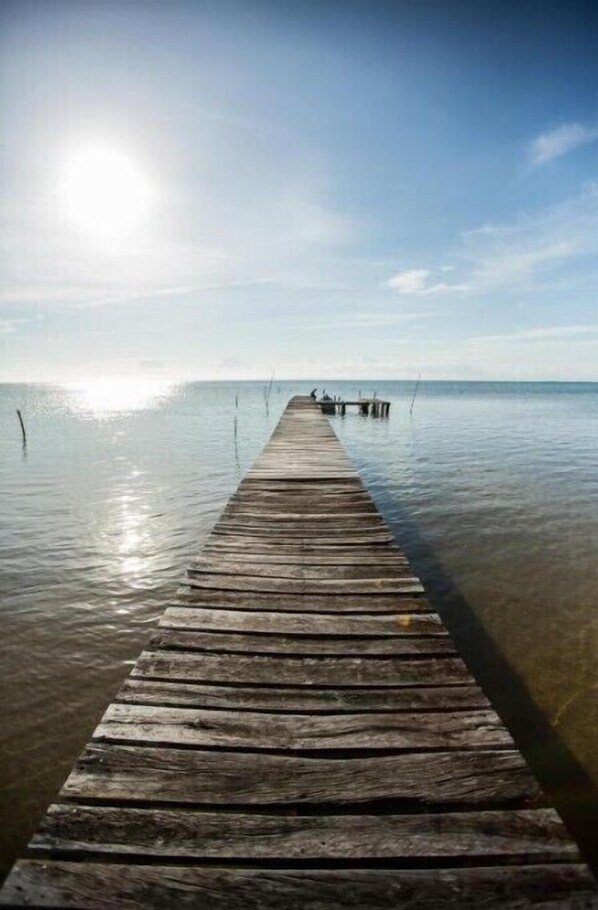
x=105 y=192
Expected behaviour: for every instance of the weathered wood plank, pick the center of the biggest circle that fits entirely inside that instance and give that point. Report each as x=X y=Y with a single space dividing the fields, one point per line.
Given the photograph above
x=267 y=496
x=324 y=515
x=321 y=558
x=303 y=645
x=302 y=671
x=265 y=503
x=311 y=700
x=407 y=585
x=312 y=534
x=205 y=620
x=289 y=471
x=109 y=772
x=91 y=886
x=299 y=732
x=284 y=524
x=367 y=538
x=301 y=540
x=536 y=835
x=298 y=603
x=303 y=548
x=348 y=486
x=230 y=566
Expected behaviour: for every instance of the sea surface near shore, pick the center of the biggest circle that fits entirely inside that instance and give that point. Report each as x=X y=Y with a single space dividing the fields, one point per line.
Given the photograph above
x=492 y=489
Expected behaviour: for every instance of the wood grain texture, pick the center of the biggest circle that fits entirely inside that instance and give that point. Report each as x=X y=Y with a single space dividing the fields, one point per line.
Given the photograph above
x=303 y=624
x=282 y=585
x=340 y=557
x=241 y=549
x=304 y=645
x=299 y=732
x=109 y=772
x=536 y=835
x=225 y=565
x=304 y=698
x=301 y=671
x=298 y=603
x=89 y=886
x=323 y=518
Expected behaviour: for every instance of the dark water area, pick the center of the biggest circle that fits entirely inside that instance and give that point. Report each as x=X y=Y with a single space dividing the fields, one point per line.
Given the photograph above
x=492 y=488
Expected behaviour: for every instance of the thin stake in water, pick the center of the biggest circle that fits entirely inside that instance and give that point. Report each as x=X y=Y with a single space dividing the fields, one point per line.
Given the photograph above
x=20 y=416
x=268 y=390
x=415 y=393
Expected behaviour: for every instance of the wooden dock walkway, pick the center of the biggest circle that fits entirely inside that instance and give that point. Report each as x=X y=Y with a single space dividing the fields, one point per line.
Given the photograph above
x=376 y=407
x=300 y=732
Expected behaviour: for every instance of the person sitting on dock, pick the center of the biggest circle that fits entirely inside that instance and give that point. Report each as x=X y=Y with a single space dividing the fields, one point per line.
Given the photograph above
x=312 y=394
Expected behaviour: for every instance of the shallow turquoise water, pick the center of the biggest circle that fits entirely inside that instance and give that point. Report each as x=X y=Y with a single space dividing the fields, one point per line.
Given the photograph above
x=492 y=488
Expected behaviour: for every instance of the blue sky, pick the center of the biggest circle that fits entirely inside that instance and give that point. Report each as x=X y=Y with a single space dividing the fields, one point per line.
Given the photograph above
x=331 y=190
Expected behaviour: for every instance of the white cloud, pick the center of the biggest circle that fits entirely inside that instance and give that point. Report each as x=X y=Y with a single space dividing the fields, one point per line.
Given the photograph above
x=413 y=281
x=417 y=282
x=559 y=141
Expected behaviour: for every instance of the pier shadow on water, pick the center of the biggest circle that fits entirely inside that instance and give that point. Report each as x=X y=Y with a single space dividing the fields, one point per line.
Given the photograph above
x=566 y=783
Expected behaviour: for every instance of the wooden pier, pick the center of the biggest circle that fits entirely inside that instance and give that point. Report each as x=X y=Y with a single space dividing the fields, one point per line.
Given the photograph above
x=376 y=407
x=300 y=732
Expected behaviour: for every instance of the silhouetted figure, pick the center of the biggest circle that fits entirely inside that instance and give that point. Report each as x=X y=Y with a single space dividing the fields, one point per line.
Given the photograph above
x=312 y=394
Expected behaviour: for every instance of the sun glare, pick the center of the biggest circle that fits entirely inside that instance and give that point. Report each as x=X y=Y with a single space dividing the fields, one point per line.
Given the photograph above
x=105 y=192
x=117 y=395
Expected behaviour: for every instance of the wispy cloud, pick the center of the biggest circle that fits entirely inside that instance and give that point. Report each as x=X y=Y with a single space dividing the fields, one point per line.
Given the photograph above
x=539 y=333
x=559 y=141
x=534 y=249
x=420 y=282
x=171 y=292
x=554 y=248
x=371 y=320
x=7 y=326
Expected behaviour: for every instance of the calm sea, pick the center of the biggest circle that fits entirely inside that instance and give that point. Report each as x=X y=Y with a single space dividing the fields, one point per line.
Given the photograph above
x=491 y=487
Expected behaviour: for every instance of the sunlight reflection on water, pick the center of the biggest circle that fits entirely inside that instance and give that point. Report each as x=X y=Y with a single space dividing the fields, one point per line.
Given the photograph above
x=108 y=396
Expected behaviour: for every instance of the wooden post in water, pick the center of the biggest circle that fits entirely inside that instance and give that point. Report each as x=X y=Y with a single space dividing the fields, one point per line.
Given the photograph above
x=415 y=393
x=20 y=416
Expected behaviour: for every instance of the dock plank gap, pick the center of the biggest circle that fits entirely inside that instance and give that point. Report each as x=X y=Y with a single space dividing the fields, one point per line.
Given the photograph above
x=300 y=731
